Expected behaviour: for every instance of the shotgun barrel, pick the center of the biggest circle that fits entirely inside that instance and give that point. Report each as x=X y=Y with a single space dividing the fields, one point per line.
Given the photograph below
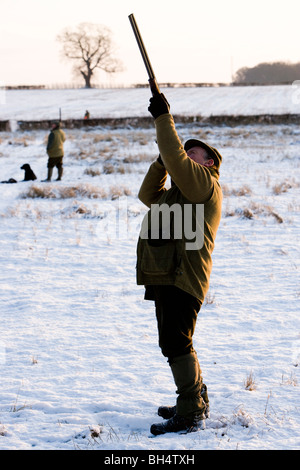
x=152 y=80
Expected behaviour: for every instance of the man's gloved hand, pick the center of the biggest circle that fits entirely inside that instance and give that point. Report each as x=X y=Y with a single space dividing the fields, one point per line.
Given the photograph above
x=158 y=105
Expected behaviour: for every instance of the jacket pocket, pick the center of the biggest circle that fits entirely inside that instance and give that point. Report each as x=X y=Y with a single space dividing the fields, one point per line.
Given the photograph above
x=159 y=259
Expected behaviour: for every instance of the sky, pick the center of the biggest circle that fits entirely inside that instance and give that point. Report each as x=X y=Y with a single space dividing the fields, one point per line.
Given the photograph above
x=186 y=41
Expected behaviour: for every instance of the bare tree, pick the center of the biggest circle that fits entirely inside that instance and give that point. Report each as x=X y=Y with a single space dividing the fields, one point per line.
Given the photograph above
x=90 y=47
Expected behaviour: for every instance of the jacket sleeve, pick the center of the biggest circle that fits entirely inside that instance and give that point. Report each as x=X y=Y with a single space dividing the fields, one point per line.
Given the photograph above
x=195 y=181
x=50 y=140
x=153 y=185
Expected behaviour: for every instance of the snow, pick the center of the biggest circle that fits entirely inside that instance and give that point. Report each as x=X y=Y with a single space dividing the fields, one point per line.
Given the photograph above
x=80 y=364
x=45 y=104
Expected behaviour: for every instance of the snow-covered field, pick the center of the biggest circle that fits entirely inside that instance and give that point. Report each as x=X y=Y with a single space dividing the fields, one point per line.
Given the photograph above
x=45 y=104
x=80 y=364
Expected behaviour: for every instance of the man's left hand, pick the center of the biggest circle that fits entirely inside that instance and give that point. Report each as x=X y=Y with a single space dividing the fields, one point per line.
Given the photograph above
x=158 y=105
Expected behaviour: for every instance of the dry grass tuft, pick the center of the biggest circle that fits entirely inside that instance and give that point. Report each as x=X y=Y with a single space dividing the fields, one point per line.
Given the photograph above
x=281 y=188
x=108 y=168
x=253 y=211
x=119 y=191
x=246 y=213
x=103 y=137
x=89 y=191
x=242 y=418
x=250 y=382
x=141 y=157
x=64 y=192
x=209 y=299
x=243 y=191
x=92 y=171
x=284 y=186
x=292 y=380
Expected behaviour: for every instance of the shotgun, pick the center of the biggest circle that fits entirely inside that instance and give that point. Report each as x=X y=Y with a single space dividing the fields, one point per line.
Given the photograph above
x=152 y=80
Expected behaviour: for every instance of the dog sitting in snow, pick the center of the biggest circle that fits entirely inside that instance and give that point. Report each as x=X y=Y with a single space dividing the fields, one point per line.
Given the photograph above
x=29 y=175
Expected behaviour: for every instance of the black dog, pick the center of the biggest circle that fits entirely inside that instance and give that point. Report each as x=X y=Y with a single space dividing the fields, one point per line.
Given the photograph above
x=29 y=175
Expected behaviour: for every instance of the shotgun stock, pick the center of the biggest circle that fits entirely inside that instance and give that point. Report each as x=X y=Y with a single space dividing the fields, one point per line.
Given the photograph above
x=152 y=80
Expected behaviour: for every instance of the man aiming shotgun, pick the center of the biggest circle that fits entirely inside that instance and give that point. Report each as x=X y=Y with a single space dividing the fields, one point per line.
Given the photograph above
x=174 y=271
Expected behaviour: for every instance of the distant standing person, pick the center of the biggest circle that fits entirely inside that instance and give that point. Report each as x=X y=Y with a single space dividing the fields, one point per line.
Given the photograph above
x=55 y=151
x=87 y=115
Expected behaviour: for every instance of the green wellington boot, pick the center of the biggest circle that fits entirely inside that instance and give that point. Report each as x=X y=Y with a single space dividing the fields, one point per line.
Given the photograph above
x=167 y=412
x=190 y=408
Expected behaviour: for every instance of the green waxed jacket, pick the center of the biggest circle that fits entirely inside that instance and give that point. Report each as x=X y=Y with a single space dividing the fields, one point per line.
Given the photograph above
x=178 y=232
x=55 y=144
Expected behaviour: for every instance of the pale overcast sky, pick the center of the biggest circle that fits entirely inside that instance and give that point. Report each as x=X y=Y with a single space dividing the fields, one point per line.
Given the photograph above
x=187 y=40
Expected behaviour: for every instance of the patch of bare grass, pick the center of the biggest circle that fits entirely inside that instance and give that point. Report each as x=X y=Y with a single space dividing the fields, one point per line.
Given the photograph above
x=92 y=171
x=253 y=211
x=243 y=191
x=264 y=209
x=119 y=191
x=108 y=168
x=141 y=157
x=22 y=140
x=291 y=380
x=140 y=137
x=209 y=299
x=242 y=418
x=89 y=191
x=64 y=192
x=103 y=137
x=250 y=382
x=283 y=187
